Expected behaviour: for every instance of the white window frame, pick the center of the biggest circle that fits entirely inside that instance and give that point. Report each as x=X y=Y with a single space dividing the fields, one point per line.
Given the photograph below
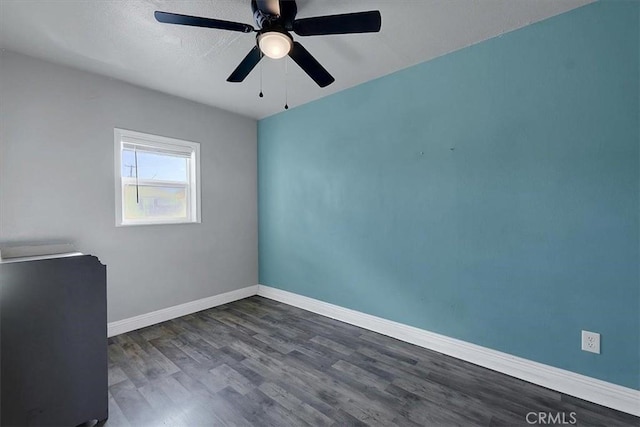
x=160 y=143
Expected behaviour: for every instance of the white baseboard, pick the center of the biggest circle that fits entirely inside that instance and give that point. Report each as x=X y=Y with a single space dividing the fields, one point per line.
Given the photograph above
x=159 y=316
x=597 y=391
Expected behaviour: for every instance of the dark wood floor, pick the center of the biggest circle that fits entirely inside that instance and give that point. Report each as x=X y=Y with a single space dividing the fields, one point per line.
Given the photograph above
x=260 y=362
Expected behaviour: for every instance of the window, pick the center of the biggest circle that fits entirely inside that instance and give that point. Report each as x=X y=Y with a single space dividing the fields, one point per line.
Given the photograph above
x=157 y=179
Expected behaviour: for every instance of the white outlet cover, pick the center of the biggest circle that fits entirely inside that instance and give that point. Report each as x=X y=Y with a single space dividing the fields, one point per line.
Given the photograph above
x=591 y=342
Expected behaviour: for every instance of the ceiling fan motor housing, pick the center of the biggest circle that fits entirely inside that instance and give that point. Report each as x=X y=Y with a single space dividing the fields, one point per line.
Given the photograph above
x=270 y=13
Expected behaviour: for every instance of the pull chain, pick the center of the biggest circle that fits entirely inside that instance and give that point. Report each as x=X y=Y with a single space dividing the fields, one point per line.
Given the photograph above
x=261 y=94
x=286 y=80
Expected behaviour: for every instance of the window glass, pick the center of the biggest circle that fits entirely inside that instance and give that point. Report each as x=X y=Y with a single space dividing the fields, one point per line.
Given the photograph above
x=154 y=166
x=154 y=202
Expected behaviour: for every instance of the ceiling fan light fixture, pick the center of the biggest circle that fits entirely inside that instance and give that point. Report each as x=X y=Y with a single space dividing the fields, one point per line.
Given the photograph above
x=275 y=44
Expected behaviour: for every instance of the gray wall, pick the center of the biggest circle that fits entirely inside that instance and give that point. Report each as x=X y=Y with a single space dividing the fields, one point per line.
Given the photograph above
x=57 y=183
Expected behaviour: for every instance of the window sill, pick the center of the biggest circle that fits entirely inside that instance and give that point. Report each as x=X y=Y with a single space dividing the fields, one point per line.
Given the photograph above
x=135 y=224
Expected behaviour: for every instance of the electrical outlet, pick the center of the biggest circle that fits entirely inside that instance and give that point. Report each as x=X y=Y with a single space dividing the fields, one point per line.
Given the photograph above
x=591 y=342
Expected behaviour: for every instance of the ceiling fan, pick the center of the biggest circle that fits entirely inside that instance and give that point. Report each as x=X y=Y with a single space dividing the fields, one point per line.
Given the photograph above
x=275 y=20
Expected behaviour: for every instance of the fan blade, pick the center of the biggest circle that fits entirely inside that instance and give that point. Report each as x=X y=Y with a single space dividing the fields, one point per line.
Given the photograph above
x=197 y=21
x=348 y=23
x=310 y=65
x=248 y=63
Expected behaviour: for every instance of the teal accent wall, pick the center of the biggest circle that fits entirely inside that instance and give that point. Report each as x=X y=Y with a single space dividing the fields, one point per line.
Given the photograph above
x=490 y=195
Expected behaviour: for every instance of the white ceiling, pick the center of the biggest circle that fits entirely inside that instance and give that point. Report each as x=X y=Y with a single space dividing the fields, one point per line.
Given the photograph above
x=121 y=39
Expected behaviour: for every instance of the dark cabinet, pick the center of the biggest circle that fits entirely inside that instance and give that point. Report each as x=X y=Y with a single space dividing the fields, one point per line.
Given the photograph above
x=53 y=342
